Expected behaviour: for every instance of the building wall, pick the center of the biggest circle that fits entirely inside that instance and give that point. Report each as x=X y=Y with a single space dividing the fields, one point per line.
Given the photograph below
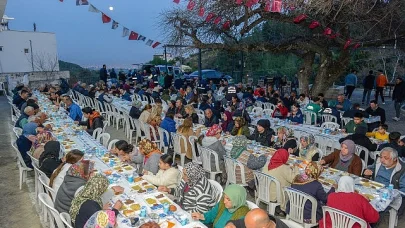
x=15 y=44
x=35 y=78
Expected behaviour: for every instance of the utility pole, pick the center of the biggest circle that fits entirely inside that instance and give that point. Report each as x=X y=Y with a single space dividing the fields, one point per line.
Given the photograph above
x=167 y=70
x=199 y=63
x=32 y=57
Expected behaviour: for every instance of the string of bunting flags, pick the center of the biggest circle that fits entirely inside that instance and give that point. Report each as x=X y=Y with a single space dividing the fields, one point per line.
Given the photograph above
x=274 y=6
x=132 y=35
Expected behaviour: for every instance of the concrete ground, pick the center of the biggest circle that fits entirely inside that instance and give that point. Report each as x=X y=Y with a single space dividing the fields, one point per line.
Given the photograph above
x=19 y=208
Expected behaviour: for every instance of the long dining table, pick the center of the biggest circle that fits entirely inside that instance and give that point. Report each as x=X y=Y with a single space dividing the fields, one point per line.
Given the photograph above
x=142 y=202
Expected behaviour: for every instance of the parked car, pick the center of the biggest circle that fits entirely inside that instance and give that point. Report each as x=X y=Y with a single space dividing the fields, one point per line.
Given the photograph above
x=209 y=75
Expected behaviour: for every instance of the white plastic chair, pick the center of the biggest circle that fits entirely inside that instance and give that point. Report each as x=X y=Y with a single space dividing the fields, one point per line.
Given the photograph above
x=251 y=130
x=268 y=111
x=230 y=167
x=251 y=205
x=139 y=129
x=2 y=88
x=201 y=118
x=37 y=173
x=330 y=125
x=199 y=112
x=359 y=149
x=33 y=159
x=308 y=116
x=329 y=118
x=105 y=124
x=262 y=194
x=341 y=219
x=177 y=148
x=65 y=217
x=162 y=135
x=111 y=144
x=44 y=180
x=103 y=138
x=193 y=140
x=297 y=202
x=258 y=111
x=218 y=189
x=345 y=120
x=97 y=132
x=47 y=201
x=206 y=155
x=17 y=131
x=22 y=167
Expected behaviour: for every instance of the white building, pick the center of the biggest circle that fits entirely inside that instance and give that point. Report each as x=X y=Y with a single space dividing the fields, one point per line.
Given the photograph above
x=25 y=51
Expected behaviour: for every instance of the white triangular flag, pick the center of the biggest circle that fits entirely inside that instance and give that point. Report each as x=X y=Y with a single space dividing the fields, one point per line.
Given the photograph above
x=125 y=32
x=149 y=42
x=93 y=9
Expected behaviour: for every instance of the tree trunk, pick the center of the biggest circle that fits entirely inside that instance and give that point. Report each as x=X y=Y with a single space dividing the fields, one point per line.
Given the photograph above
x=305 y=72
x=329 y=71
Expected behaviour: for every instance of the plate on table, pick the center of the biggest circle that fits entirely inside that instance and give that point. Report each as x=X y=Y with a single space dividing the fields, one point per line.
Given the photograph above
x=142 y=186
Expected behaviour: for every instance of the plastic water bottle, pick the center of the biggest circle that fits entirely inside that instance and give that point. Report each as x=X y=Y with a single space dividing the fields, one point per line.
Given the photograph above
x=143 y=211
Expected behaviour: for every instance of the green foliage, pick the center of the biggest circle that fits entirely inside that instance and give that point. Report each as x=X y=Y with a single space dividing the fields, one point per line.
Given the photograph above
x=78 y=73
x=159 y=61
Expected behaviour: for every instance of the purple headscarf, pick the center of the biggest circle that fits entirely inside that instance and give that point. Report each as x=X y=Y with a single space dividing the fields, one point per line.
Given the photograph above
x=351 y=147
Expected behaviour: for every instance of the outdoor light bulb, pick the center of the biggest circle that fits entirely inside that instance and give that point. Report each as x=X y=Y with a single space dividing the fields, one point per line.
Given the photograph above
x=111 y=8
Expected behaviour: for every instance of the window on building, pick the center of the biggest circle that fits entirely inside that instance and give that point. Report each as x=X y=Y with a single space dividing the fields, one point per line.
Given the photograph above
x=1 y=48
x=26 y=50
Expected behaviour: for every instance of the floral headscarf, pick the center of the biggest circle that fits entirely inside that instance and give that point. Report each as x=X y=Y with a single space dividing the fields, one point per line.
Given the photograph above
x=238 y=145
x=213 y=130
x=148 y=147
x=93 y=190
x=82 y=169
x=310 y=139
x=194 y=173
x=101 y=219
x=312 y=172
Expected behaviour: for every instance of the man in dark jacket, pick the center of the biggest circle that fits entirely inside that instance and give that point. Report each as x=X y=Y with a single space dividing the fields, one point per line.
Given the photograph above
x=368 y=84
x=398 y=96
x=103 y=73
x=355 y=109
x=263 y=133
x=375 y=110
x=210 y=118
x=21 y=98
x=113 y=74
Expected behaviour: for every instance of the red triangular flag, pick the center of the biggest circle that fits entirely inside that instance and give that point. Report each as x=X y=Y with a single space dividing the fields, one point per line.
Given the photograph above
x=176 y=1
x=155 y=44
x=209 y=17
x=217 y=20
x=190 y=5
x=239 y=2
x=300 y=18
x=314 y=25
x=105 y=18
x=133 y=36
x=347 y=44
x=276 y=7
x=226 y=25
x=267 y=7
x=357 y=45
x=327 y=31
x=61 y=0
x=249 y=3
x=201 y=12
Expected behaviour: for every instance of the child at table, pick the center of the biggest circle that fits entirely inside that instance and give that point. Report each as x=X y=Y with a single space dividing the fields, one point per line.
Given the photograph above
x=380 y=134
x=168 y=174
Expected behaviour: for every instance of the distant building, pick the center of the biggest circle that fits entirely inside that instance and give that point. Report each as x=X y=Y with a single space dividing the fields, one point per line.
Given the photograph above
x=162 y=56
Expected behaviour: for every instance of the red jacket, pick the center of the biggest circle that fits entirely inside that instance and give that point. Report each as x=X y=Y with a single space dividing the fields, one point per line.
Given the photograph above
x=351 y=203
x=283 y=110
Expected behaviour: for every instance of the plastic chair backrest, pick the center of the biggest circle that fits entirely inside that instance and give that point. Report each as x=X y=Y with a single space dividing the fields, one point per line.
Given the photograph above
x=105 y=124
x=257 y=111
x=218 y=189
x=251 y=130
x=146 y=130
x=205 y=154
x=47 y=201
x=341 y=219
x=162 y=135
x=297 y=202
x=345 y=120
x=330 y=125
x=37 y=170
x=263 y=183
x=33 y=159
x=268 y=111
x=111 y=144
x=251 y=205
x=329 y=118
x=176 y=142
x=199 y=112
x=65 y=217
x=201 y=118
x=309 y=116
x=103 y=138
x=45 y=183
x=230 y=167
x=193 y=139
x=20 y=158
x=18 y=131
x=97 y=132
x=359 y=149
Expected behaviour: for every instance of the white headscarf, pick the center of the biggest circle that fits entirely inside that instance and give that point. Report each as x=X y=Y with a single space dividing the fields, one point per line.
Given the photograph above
x=346 y=184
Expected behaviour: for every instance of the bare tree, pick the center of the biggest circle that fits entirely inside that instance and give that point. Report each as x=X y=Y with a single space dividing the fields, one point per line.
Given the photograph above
x=343 y=24
x=44 y=62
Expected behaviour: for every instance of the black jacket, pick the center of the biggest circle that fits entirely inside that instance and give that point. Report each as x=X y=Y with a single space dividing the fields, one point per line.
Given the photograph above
x=97 y=123
x=211 y=121
x=263 y=138
x=369 y=82
x=361 y=140
x=134 y=112
x=378 y=112
x=398 y=94
x=194 y=116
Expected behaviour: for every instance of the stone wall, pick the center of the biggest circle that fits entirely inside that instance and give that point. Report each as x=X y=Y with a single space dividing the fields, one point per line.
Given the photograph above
x=35 y=78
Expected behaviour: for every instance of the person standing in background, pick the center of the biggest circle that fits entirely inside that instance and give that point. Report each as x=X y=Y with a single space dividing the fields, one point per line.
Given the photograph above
x=380 y=83
x=398 y=96
x=103 y=73
x=350 y=83
x=368 y=84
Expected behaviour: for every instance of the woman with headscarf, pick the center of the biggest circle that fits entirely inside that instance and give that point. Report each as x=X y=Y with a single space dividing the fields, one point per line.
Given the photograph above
x=279 y=169
x=263 y=133
x=347 y=200
x=102 y=219
x=151 y=154
x=76 y=176
x=88 y=200
x=308 y=149
x=231 y=207
x=240 y=127
x=345 y=160
x=194 y=193
x=239 y=152
x=26 y=140
x=59 y=174
x=135 y=111
x=283 y=134
x=308 y=182
x=49 y=159
x=227 y=122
